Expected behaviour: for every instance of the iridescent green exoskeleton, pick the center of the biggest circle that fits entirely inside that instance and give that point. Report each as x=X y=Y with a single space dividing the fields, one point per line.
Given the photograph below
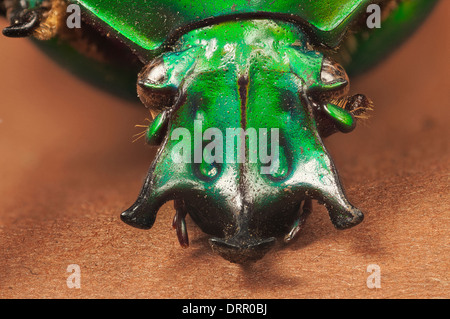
x=242 y=93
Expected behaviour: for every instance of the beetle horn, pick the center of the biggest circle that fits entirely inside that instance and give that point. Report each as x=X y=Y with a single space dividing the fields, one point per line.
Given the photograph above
x=142 y=214
x=163 y=183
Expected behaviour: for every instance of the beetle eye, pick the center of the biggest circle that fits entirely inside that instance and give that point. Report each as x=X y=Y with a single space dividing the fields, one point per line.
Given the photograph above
x=334 y=79
x=153 y=74
x=153 y=88
x=332 y=72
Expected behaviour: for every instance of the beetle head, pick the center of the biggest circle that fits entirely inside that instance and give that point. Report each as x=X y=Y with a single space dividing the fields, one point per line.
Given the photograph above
x=261 y=79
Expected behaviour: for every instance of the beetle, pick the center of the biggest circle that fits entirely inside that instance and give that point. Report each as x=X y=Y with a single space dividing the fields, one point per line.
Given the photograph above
x=238 y=76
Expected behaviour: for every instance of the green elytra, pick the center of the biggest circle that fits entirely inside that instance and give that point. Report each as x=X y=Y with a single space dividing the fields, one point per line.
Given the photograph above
x=162 y=19
x=259 y=65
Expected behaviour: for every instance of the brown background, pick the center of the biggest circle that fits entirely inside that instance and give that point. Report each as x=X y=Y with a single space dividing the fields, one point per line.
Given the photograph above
x=68 y=168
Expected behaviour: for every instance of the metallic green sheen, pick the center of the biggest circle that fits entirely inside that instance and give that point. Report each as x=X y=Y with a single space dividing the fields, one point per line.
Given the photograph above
x=254 y=74
x=342 y=118
x=147 y=24
x=33 y=3
x=155 y=131
x=257 y=67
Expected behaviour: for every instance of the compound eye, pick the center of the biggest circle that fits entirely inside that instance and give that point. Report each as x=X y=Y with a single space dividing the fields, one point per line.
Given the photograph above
x=154 y=74
x=334 y=79
x=154 y=88
x=332 y=72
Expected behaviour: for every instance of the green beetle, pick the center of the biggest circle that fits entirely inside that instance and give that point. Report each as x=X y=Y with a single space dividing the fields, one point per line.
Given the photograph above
x=242 y=93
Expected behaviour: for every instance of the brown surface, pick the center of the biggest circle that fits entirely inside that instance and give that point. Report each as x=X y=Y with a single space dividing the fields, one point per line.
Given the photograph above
x=68 y=168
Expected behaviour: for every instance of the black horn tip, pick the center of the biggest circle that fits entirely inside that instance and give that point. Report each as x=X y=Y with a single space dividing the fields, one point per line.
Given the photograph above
x=136 y=220
x=345 y=221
